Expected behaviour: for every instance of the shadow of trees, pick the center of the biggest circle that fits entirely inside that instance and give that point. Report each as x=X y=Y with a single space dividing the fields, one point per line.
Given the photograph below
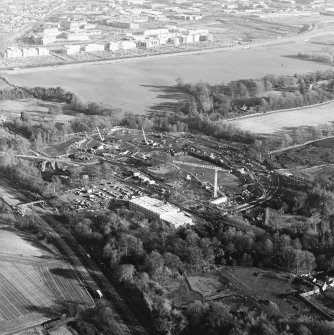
x=171 y=96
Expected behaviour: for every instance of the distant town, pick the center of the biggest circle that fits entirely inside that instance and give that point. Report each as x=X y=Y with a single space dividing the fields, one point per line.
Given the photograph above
x=59 y=32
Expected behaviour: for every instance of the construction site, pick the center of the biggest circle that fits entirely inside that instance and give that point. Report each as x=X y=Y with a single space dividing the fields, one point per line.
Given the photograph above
x=196 y=176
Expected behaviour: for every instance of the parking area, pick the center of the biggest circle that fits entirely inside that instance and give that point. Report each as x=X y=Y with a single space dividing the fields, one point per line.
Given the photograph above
x=100 y=194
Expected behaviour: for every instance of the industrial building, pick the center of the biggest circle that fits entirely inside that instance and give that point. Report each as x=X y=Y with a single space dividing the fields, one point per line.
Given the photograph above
x=156 y=209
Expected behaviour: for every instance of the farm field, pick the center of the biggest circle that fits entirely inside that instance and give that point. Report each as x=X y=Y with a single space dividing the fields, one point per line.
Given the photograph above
x=37 y=109
x=272 y=123
x=149 y=81
x=34 y=284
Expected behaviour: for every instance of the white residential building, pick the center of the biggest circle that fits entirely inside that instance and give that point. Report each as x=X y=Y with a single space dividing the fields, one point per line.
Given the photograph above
x=127 y=45
x=13 y=52
x=149 y=43
x=93 y=47
x=113 y=46
x=72 y=49
x=76 y=36
x=155 y=32
x=43 y=52
x=51 y=32
x=29 y=52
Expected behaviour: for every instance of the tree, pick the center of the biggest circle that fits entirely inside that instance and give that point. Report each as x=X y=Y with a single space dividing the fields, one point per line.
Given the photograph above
x=298 y=260
x=125 y=272
x=219 y=317
x=154 y=263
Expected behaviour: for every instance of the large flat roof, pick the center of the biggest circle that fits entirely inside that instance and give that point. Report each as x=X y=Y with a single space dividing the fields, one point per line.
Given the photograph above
x=154 y=205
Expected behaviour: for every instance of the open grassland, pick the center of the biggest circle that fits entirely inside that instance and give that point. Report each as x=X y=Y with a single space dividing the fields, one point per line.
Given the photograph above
x=271 y=123
x=227 y=181
x=148 y=81
x=33 y=284
x=37 y=109
x=262 y=285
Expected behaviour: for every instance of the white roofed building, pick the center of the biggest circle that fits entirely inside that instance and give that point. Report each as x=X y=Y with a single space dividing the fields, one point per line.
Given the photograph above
x=13 y=53
x=156 y=209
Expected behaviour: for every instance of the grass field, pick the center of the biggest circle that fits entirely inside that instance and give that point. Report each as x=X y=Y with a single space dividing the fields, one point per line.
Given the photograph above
x=262 y=285
x=148 y=81
x=227 y=181
x=34 y=285
x=37 y=109
x=283 y=121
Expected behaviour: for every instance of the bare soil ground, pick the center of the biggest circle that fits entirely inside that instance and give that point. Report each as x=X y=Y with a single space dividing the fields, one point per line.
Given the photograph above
x=33 y=284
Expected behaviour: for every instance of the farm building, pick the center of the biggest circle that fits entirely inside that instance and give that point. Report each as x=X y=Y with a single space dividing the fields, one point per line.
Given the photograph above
x=158 y=210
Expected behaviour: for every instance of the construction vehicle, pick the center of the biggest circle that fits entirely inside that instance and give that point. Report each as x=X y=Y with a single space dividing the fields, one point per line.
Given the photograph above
x=215 y=168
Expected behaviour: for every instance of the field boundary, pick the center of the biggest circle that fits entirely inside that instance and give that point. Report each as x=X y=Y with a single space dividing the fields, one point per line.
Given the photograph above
x=299 y=145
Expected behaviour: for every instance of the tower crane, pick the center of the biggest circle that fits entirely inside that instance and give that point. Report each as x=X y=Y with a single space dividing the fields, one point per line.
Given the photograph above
x=215 y=168
x=146 y=141
x=101 y=137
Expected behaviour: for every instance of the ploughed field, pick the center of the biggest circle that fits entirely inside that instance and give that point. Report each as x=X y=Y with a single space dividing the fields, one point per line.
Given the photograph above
x=144 y=85
x=272 y=123
x=34 y=285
